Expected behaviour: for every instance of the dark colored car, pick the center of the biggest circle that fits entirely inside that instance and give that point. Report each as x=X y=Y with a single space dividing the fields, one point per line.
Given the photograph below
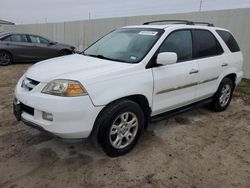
x=19 y=47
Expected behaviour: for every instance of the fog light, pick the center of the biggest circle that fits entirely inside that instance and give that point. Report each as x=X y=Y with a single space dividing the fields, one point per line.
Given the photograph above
x=47 y=116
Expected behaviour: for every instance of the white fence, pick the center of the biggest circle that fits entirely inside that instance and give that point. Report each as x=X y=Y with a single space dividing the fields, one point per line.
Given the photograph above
x=83 y=33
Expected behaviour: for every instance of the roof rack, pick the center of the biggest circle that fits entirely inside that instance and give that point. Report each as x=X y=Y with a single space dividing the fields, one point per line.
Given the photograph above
x=187 y=22
x=204 y=23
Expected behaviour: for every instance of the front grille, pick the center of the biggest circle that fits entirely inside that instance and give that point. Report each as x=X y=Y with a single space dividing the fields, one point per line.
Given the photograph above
x=27 y=109
x=29 y=84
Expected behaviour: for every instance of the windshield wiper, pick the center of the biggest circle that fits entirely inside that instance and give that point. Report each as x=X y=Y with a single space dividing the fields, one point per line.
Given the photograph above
x=99 y=56
x=103 y=57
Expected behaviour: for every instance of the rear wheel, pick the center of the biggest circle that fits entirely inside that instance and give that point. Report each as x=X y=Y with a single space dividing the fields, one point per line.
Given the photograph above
x=5 y=58
x=223 y=96
x=120 y=126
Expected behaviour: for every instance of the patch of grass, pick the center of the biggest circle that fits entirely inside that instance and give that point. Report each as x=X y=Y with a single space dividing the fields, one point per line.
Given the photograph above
x=243 y=87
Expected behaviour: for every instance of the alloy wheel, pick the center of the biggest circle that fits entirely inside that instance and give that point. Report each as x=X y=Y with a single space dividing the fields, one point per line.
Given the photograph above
x=123 y=130
x=225 y=95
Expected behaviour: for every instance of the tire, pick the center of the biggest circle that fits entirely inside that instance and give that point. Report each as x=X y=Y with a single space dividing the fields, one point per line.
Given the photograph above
x=120 y=126
x=223 y=95
x=5 y=58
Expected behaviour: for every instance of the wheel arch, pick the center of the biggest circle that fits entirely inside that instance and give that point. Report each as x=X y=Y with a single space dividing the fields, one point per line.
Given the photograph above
x=230 y=73
x=141 y=100
x=4 y=50
x=232 y=76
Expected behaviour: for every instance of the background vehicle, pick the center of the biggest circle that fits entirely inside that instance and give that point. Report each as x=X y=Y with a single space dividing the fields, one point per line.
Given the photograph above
x=19 y=47
x=131 y=76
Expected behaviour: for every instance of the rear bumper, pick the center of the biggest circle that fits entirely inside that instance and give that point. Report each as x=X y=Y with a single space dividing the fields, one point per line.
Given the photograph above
x=239 y=77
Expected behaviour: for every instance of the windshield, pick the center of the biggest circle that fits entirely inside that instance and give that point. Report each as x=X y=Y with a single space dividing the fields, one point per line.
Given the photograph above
x=125 y=45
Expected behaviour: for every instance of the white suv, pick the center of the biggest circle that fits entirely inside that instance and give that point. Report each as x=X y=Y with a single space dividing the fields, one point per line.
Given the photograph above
x=131 y=76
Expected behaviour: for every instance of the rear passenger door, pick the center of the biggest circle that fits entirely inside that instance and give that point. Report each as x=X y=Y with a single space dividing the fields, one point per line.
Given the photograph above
x=208 y=53
x=18 y=45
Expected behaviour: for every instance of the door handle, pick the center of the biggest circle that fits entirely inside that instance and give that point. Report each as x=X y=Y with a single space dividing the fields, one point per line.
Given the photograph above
x=193 y=71
x=224 y=64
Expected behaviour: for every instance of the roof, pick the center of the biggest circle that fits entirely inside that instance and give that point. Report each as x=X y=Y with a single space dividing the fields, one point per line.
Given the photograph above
x=177 y=26
x=4 y=22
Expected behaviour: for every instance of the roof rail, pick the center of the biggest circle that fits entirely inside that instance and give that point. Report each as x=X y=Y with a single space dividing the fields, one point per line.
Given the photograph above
x=173 y=21
x=187 y=22
x=204 y=23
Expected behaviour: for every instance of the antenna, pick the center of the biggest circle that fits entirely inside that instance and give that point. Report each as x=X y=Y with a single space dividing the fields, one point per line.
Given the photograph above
x=200 y=5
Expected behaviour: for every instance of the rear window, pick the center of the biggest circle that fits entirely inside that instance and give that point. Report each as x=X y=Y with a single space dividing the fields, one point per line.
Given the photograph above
x=205 y=44
x=229 y=40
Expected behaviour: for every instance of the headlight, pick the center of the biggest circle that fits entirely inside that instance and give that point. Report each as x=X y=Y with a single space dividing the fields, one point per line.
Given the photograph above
x=66 y=88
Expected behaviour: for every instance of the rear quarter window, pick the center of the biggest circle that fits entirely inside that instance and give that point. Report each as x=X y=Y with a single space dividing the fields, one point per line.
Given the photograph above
x=229 y=40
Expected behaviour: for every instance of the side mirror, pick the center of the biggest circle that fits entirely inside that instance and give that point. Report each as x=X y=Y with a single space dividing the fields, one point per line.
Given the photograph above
x=52 y=43
x=166 y=58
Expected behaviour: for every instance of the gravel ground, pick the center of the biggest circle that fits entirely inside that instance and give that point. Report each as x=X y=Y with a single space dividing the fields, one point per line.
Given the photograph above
x=199 y=148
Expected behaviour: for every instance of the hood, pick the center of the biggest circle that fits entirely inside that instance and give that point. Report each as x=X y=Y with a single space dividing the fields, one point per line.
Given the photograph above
x=75 y=67
x=64 y=45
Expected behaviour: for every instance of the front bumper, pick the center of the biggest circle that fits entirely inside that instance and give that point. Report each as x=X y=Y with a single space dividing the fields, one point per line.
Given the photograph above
x=73 y=117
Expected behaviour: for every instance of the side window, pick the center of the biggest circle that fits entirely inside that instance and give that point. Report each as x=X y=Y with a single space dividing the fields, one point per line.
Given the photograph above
x=7 y=38
x=205 y=44
x=16 y=38
x=38 y=40
x=34 y=39
x=229 y=40
x=179 y=42
x=43 y=40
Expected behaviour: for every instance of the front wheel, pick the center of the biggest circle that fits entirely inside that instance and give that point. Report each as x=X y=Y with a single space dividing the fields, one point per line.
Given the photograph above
x=121 y=125
x=223 y=96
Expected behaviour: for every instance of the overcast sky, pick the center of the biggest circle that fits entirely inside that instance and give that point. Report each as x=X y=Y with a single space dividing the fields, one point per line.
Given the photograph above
x=40 y=11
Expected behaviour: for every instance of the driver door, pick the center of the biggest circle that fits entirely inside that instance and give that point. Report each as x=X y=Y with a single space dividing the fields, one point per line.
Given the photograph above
x=175 y=85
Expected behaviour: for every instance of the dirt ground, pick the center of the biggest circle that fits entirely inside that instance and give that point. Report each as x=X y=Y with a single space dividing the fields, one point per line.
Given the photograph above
x=199 y=148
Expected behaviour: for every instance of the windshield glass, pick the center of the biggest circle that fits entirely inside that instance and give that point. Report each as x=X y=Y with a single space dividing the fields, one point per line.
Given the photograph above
x=128 y=45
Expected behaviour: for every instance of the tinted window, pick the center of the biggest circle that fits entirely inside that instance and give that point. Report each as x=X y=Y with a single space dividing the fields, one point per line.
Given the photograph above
x=229 y=40
x=38 y=40
x=16 y=38
x=34 y=39
x=205 y=44
x=179 y=42
x=43 y=40
x=7 y=38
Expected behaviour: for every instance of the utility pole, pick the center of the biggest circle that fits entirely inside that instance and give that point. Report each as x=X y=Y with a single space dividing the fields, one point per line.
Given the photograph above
x=89 y=16
x=200 y=5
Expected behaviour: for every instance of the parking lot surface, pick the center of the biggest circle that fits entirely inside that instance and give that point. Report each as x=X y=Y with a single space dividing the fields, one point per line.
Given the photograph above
x=199 y=148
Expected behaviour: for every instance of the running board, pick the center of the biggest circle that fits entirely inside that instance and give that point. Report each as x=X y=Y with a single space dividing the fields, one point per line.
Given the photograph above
x=180 y=110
